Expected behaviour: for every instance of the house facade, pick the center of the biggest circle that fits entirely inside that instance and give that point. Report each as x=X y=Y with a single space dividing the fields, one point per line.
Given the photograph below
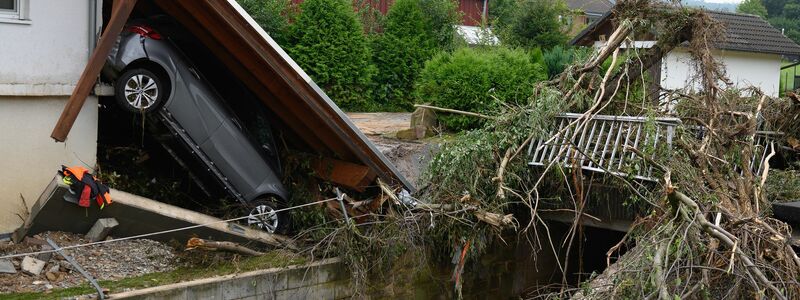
x=751 y=51
x=585 y=12
x=47 y=44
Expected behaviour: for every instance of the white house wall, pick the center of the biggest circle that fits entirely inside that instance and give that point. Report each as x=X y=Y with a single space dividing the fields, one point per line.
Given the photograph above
x=743 y=69
x=40 y=62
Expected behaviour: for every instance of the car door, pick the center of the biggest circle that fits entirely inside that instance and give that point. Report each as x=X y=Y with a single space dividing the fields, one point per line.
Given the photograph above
x=194 y=105
x=236 y=156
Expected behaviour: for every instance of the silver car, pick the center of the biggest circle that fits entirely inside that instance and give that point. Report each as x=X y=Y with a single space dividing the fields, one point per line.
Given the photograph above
x=151 y=75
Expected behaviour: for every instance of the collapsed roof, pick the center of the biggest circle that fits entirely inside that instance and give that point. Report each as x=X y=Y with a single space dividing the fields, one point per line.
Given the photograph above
x=316 y=124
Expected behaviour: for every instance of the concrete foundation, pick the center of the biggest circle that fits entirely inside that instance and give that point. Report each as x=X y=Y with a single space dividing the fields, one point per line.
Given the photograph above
x=325 y=279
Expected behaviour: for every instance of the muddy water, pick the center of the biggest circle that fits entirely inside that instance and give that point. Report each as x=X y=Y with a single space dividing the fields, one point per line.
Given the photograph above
x=505 y=271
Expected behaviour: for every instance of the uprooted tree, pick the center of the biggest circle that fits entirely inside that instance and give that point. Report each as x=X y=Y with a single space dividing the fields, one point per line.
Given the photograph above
x=706 y=230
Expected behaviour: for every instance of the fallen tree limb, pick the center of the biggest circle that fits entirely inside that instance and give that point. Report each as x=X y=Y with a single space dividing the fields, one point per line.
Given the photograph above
x=208 y=245
x=454 y=111
x=726 y=238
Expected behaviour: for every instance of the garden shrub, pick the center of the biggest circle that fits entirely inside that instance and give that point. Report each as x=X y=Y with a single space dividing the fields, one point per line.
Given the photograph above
x=559 y=57
x=272 y=15
x=399 y=54
x=328 y=42
x=477 y=80
x=531 y=23
x=441 y=18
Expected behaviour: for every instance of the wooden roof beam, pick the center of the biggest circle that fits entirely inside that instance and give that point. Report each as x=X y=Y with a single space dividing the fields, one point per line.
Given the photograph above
x=119 y=15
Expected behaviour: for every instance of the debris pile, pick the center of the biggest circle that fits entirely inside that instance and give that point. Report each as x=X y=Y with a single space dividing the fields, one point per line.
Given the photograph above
x=707 y=226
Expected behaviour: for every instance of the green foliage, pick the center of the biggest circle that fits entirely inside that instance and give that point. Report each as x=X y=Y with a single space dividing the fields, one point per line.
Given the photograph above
x=783 y=185
x=531 y=23
x=774 y=7
x=400 y=53
x=370 y=16
x=559 y=57
x=753 y=7
x=790 y=26
x=792 y=10
x=328 y=42
x=466 y=164
x=441 y=17
x=477 y=80
x=272 y=15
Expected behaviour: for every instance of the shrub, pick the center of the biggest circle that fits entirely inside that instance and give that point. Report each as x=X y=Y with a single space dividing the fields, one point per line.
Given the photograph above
x=477 y=80
x=400 y=53
x=560 y=57
x=441 y=18
x=328 y=42
x=531 y=23
x=272 y=15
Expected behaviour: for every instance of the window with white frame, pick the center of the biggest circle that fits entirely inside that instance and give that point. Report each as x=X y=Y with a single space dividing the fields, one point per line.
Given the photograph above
x=13 y=10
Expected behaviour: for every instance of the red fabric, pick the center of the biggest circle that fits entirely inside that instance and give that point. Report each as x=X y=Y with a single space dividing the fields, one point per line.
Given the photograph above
x=85 y=195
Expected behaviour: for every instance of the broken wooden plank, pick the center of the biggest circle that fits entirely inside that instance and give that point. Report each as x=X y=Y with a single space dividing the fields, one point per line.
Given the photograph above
x=349 y=175
x=122 y=9
x=136 y=216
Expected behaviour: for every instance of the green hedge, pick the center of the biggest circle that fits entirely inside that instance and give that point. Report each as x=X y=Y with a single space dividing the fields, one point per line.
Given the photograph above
x=399 y=54
x=272 y=15
x=328 y=42
x=530 y=23
x=476 y=80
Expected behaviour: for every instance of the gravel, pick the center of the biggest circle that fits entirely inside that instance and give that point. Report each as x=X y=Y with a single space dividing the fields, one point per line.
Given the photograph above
x=109 y=261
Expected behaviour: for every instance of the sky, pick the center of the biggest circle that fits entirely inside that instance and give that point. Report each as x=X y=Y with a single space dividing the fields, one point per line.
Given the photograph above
x=724 y=1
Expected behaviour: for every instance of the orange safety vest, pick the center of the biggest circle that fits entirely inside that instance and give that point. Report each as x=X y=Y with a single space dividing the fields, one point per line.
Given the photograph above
x=89 y=186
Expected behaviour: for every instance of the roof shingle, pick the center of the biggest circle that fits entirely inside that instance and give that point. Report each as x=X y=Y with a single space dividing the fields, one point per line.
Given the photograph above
x=751 y=33
x=743 y=32
x=590 y=6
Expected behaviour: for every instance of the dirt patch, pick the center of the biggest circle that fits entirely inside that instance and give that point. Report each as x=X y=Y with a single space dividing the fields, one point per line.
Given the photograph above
x=110 y=261
x=410 y=157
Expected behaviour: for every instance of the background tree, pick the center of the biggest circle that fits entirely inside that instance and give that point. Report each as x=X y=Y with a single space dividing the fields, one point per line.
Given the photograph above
x=272 y=15
x=328 y=42
x=774 y=7
x=441 y=18
x=753 y=7
x=400 y=52
x=531 y=23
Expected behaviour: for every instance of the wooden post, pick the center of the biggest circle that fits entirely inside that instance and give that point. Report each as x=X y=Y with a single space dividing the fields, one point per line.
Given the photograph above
x=119 y=15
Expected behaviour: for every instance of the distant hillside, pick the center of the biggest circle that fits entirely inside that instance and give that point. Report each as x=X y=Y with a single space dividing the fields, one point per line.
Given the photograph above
x=731 y=7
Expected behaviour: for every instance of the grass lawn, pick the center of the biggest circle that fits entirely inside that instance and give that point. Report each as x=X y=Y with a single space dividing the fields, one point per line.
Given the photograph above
x=270 y=260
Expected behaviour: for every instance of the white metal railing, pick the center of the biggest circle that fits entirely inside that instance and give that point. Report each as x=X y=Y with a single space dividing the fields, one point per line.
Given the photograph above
x=601 y=145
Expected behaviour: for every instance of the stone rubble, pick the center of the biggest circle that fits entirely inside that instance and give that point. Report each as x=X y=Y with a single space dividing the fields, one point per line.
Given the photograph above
x=111 y=261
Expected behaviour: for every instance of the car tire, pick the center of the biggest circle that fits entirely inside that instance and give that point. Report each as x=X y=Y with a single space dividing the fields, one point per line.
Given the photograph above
x=140 y=90
x=273 y=223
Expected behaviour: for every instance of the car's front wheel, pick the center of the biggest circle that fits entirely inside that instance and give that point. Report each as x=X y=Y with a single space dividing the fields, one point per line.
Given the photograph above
x=263 y=214
x=140 y=90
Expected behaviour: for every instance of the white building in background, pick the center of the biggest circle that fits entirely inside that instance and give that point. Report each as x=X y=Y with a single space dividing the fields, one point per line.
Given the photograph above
x=46 y=44
x=751 y=51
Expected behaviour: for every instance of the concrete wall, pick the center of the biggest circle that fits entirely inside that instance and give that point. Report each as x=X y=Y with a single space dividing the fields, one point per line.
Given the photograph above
x=42 y=59
x=326 y=279
x=743 y=68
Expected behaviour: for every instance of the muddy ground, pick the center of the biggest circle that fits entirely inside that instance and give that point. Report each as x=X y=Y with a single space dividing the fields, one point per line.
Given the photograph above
x=410 y=157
